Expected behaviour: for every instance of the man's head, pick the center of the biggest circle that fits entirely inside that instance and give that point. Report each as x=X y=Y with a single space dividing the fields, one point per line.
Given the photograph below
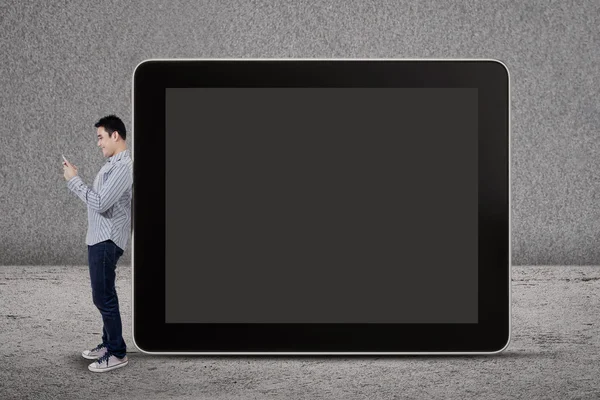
x=111 y=135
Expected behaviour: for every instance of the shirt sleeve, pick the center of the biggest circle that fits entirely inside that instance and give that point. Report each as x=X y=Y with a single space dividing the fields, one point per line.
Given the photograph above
x=118 y=181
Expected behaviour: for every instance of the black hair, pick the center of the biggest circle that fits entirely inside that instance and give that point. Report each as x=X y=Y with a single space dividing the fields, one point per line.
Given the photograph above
x=112 y=123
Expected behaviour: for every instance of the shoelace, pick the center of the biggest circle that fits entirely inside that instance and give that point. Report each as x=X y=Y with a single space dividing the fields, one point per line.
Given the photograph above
x=101 y=345
x=105 y=357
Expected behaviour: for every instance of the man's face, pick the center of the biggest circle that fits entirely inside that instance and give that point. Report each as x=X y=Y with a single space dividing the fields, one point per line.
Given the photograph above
x=106 y=142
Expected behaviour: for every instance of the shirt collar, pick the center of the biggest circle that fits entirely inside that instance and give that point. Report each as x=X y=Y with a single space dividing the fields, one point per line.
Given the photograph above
x=118 y=156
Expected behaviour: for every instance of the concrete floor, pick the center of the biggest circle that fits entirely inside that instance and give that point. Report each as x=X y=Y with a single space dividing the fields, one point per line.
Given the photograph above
x=47 y=318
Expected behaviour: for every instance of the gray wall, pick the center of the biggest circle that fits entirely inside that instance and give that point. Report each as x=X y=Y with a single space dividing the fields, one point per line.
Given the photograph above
x=65 y=65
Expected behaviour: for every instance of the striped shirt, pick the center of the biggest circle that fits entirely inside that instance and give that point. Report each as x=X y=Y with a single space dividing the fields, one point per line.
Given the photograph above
x=109 y=201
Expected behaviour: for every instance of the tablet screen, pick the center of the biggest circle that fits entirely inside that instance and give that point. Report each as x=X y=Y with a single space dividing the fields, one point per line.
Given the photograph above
x=321 y=205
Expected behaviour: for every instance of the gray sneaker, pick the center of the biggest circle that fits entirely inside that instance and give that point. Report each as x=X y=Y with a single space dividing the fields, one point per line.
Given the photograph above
x=95 y=353
x=108 y=362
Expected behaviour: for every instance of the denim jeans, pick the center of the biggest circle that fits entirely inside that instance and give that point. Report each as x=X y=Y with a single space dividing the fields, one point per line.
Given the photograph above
x=103 y=259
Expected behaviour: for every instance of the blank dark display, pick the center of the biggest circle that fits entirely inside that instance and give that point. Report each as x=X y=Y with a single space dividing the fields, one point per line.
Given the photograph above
x=321 y=205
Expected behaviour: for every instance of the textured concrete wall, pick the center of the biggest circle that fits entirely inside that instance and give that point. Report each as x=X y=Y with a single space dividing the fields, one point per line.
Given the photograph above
x=66 y=64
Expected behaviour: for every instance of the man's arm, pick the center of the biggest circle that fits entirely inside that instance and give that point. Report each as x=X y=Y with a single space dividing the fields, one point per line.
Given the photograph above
x=118 y=181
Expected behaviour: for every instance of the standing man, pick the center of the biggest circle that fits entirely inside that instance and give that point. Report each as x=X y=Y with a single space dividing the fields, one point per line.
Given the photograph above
x=109 y=226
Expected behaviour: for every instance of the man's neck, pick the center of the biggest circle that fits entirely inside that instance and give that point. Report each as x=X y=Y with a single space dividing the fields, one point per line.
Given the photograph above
x=119 y=151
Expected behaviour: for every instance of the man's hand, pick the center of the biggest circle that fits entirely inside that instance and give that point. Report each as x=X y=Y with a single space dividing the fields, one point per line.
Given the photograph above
x=70 y=170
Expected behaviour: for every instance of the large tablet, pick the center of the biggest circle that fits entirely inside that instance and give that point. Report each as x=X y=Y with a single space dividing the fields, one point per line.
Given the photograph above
x=321 y=206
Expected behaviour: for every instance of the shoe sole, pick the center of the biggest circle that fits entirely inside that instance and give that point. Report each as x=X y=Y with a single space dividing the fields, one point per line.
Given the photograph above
x=109 y=368
x=91 y=357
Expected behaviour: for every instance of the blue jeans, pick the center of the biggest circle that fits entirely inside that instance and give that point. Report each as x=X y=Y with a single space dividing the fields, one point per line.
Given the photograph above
x=103 y=259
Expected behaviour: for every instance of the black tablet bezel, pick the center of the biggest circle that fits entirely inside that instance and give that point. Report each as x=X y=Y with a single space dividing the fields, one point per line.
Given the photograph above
x=152 y=334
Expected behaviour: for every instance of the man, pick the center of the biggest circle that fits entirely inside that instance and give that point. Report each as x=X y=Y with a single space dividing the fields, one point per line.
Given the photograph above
x=109 y=226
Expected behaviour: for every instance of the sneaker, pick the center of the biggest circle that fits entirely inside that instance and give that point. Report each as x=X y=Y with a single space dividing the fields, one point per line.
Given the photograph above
x=95 y=353
x=108 y=362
